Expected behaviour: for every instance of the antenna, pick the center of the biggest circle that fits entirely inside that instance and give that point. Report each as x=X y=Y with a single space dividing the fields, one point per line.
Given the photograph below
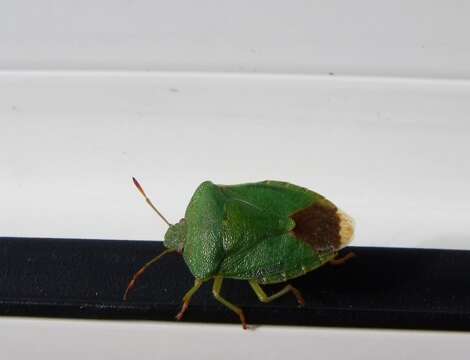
x=137 y=185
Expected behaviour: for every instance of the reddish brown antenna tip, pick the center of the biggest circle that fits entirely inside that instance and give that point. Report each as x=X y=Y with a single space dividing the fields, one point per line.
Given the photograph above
x=141 y=190
x=137 y=185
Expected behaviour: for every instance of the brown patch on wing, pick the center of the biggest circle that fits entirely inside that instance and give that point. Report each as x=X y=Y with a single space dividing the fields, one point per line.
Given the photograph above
x=318 y=225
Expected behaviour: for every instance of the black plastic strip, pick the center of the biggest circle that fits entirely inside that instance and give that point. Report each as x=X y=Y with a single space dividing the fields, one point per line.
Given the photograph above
x=380 y=288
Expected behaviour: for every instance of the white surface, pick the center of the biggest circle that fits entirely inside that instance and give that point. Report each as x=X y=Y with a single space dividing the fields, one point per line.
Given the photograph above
x=414 y=38
x=392 y=153
x=78 y=340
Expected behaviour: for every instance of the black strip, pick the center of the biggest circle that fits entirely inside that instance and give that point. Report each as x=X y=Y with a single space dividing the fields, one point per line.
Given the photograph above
x=381 y=287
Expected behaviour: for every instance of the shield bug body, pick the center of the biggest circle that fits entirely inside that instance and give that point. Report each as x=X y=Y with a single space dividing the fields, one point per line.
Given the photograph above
x=266 y=232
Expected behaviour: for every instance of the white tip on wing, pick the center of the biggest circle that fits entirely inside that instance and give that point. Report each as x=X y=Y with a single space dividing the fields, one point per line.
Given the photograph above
x=346 y=228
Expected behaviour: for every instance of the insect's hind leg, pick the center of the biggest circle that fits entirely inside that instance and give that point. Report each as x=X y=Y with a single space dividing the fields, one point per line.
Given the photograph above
x=216 y=292
x=265 y=298
x=342 y=260
x=187 y=298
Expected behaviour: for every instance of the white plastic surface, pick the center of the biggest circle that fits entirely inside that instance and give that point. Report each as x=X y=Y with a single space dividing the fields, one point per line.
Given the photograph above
x=414 y=38
x=78 y=340
x=391 y=152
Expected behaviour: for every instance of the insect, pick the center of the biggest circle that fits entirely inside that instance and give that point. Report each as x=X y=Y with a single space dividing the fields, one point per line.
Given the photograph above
x=266 y=232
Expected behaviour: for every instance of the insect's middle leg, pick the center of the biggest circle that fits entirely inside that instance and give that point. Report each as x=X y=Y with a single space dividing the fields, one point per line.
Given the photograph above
x=216 y=291
x=265 y=298
x=187 y=298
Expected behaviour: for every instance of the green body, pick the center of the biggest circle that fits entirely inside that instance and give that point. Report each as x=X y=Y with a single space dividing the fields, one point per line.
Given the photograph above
x=247 y=232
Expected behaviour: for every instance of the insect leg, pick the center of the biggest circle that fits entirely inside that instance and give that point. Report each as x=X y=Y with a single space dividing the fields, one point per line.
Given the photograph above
x=187 y=298
x=139 y=273
x=265 y=298
x=216 y=291
x=342 y=260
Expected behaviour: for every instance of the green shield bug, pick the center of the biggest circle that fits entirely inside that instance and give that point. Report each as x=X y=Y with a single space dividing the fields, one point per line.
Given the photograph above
x=266 y=232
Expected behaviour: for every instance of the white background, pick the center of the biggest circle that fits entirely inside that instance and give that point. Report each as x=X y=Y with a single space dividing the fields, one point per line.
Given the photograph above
x=366 y=102
x=88 y=339
x=392 y=153
x=363 y=37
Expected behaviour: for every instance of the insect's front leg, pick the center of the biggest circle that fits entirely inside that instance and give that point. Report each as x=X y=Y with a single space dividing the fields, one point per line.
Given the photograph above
x=187 y=298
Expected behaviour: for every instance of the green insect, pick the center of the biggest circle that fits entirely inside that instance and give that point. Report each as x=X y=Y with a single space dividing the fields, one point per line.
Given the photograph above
x=266 y=232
